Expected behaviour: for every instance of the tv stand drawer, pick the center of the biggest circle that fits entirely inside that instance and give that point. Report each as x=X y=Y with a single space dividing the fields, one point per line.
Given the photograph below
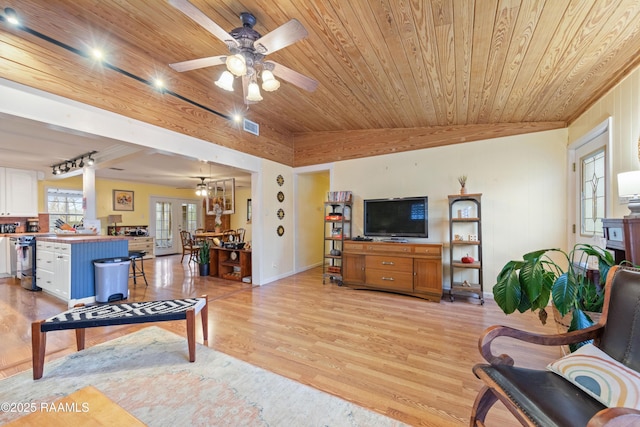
x=386 y=279
x=389 y=263
x=390 y=248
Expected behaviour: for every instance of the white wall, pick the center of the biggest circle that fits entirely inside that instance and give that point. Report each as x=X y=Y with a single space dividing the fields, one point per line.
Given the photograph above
x=622 y=103
x=276 y=257
x=522 y=180
x=239 y=218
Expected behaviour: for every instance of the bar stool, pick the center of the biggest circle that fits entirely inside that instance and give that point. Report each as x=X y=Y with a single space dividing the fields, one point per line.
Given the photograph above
x=137 y=269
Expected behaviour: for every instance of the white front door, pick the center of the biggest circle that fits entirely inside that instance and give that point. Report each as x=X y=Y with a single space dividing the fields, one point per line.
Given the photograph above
x=170 y=217
x=590 y=186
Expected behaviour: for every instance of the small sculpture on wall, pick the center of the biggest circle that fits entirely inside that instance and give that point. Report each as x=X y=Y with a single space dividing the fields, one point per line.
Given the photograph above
x=217 y=211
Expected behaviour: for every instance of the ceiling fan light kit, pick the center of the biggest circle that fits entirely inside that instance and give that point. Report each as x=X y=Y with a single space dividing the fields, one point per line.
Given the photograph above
x=248 y=49
x=225 y=81
x=236 y=64
x=201 y=188
x=254 y=92
x=269 y=83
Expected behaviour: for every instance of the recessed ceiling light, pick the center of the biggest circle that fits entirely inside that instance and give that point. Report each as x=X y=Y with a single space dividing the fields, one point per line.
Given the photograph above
x=97 y=54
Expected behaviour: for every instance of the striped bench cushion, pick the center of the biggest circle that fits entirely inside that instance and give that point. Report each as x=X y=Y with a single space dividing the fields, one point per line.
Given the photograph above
x=122 y=314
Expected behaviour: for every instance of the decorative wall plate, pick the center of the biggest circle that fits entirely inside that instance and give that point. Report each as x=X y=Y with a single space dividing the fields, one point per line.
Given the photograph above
x=280 y=230
x=280 y=213
x=280 y=196
x=233 y=256
x=280 y=180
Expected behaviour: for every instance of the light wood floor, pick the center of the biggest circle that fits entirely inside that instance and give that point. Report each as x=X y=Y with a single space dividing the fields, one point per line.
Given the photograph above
x=401 y=356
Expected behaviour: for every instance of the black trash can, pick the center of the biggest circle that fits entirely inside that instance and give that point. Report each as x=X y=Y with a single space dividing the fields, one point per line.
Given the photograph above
x=111 y=278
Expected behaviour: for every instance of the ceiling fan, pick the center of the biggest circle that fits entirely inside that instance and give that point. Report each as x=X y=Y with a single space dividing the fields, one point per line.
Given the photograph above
x=201 y=189
x=248 y=49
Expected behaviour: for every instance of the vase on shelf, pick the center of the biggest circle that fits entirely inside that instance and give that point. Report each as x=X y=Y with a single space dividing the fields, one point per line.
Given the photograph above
x=462 y=180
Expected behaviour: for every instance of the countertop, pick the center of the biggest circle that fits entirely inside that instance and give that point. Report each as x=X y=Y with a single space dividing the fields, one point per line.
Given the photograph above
x=26 y=234
x=79 y=238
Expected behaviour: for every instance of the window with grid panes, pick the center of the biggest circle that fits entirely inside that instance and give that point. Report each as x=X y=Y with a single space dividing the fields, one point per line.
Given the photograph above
x=66 y=205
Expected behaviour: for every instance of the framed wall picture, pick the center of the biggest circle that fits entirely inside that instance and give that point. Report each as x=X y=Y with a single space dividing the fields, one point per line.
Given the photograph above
x=248 y=211
x=122 y=200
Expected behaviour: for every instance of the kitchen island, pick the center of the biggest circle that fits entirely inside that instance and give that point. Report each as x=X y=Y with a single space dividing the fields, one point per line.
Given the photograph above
x=64 y=264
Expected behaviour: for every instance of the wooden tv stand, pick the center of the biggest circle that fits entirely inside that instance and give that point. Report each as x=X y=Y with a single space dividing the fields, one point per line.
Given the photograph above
x=406 y=268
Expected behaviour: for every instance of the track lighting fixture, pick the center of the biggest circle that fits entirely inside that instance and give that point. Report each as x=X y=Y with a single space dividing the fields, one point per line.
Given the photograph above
x=11 y=16
x=76 y=162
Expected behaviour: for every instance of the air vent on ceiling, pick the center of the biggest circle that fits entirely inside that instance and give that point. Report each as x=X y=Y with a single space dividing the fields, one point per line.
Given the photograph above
x=251 y=127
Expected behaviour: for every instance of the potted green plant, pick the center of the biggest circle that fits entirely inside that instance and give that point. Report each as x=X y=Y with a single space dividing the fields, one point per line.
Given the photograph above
x=531 y=283
x=203 y=258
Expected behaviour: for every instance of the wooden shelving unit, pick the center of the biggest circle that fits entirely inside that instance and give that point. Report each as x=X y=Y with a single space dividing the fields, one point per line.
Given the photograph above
x=465 y=240
x=337 y=229
x=230 y=264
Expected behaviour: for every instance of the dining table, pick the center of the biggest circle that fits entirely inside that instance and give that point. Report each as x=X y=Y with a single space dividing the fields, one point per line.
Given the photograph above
x=214 y=236
x=208 y=234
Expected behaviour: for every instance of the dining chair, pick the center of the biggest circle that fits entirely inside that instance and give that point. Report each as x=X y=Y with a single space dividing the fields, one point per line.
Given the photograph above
x=195 y=235
x=189 y=246
x=226 y=235
x=240 y=234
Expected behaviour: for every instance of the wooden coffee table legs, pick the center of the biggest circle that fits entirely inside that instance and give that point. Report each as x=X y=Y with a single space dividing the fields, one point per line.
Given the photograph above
x=38 y=344
x=191 y=329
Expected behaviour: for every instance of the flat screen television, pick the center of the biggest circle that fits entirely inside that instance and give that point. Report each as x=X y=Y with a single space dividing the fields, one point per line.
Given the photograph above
x=401 y=217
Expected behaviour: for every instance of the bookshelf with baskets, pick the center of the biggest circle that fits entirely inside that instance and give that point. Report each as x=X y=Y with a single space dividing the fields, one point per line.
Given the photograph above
x=337 y=229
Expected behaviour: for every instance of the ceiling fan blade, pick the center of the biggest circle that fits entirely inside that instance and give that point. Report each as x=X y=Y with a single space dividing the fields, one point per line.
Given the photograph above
x=205 y=22
x=300 y=80
x=198 y=63
x=283 y=36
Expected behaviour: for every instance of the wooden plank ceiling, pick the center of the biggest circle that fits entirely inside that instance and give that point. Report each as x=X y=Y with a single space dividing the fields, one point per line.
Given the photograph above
x=428 y=72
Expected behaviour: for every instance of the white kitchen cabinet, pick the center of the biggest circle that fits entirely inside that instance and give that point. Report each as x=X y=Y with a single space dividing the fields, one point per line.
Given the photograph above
x=5 y=257
x=53 y=273
x=18 y=192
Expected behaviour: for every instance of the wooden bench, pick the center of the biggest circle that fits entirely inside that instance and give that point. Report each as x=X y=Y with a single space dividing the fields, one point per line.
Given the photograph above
x=82 y=317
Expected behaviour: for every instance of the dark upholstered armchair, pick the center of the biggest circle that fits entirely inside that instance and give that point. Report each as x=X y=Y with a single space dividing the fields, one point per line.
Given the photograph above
x=543 y=398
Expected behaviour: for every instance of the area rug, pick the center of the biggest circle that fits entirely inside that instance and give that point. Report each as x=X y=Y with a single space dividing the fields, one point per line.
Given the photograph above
x=148 y=374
